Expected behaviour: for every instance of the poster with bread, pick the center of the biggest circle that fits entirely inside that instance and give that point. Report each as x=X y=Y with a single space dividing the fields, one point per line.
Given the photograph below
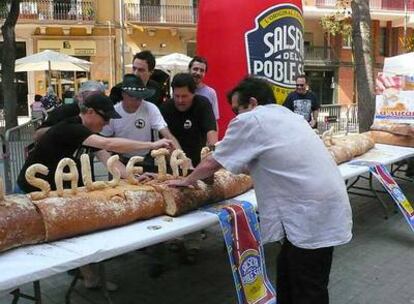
x=394 y=100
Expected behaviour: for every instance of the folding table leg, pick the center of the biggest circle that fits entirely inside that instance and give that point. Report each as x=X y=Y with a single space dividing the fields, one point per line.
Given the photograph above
x=103 y=289
x=16 y=295
x=72 y=286
x=37 y=298
x=372 y=192
x=37 y=293
x=102 y=275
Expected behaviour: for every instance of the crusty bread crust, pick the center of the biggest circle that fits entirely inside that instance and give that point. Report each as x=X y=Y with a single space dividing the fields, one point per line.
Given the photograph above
x=65 y=213
x=20 y=223
x=100 y=209
x=394 y=128
x=387 y=138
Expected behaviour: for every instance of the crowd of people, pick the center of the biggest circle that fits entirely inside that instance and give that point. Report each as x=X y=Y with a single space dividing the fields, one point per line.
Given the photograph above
x=307 y=211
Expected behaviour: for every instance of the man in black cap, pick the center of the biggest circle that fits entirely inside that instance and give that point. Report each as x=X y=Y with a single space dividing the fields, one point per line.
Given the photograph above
x=140 y=119
x=87 y=88
x=77 y=135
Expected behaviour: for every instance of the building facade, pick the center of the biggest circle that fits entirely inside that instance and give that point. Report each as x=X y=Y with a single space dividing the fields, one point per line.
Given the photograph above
x=109 y=33
x=328 y=59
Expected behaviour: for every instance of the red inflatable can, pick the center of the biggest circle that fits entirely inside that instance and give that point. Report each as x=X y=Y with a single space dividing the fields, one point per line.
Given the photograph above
x=259 y=37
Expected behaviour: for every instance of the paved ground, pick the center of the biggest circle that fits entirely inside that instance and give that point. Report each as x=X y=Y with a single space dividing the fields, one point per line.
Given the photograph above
x=375 y=267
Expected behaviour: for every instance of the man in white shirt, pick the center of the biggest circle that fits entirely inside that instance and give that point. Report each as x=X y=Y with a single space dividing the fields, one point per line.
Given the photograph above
x=139 y=117
x=198 y=69
x=302 y=198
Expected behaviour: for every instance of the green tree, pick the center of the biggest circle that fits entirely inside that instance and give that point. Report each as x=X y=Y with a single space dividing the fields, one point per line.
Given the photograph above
x=353 y=17
x=8 y=57
x=363 y=54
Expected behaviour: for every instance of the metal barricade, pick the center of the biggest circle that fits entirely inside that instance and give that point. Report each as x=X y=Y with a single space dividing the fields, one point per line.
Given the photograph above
x=343 y=118
x=17 y=141
x=2 y=153
x=2 y=120
x=352 y=125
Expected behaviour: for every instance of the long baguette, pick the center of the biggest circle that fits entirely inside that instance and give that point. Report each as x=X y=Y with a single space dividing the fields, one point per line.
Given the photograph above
x=20 y=223
x=96 y=210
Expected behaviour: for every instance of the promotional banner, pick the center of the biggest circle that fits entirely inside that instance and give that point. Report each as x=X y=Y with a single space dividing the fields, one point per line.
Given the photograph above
x=241 y=37
x=385 y=178
x=395 y=98
x=241 y=233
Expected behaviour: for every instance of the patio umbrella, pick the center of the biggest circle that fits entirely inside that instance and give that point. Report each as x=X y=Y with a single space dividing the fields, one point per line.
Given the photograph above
x=51 y=61
x=173 y=63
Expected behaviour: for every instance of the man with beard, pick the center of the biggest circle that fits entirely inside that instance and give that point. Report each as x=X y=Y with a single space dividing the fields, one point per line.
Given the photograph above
x=198 y=69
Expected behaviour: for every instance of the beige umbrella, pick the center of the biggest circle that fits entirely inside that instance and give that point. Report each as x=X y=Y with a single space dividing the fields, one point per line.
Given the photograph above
x=51 y=61
x=173 y=63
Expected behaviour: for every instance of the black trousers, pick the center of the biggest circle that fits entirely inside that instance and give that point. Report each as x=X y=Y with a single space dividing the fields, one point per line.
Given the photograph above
x=303 y=275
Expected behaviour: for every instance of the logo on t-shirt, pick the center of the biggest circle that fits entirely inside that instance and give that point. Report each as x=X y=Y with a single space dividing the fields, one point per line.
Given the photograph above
x=303 y=107
x=188 y=124
x=140 y=123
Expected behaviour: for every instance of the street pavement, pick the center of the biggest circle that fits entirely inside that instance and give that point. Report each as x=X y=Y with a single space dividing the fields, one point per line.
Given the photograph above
x=375 y=267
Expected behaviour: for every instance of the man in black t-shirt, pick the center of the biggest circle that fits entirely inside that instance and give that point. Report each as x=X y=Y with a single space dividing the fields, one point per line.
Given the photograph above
x=143 y=65
x=303 y=102
x=190 y=117
x=78 y=134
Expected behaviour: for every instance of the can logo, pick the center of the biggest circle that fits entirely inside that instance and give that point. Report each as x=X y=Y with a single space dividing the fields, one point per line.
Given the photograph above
x=275 y=47
x=396 y=192
x=251 y=276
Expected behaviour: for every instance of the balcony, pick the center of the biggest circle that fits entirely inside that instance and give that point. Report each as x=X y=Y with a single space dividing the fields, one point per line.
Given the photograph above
x=54 y=11
x=320 y=56
x=389 y=5
x=161 y=14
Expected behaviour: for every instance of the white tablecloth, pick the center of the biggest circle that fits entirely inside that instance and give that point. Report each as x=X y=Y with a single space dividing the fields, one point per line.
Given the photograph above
x=30 y=263
x=384 y=154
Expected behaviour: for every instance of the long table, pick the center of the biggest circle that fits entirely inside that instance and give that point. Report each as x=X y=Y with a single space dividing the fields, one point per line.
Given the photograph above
x=384 y=154
x=31 y=263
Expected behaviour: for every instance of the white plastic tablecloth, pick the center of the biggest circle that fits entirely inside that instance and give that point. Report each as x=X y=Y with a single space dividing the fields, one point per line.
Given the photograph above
x=384 y=154
x=31 y=263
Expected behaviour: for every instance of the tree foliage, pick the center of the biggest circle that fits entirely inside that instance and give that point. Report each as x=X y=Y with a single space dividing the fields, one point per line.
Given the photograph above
x=352 y=17
x=340 y=21
x=8 y=57
x=408 y=43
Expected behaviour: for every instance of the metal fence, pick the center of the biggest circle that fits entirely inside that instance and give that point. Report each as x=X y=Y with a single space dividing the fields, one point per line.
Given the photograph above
x=53 y=10
x=2 y=152
x=343 y=118
x=16 y=143
x=172 y=14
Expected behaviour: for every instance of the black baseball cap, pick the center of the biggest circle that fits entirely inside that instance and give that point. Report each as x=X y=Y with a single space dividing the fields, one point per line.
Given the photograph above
x=102 y=105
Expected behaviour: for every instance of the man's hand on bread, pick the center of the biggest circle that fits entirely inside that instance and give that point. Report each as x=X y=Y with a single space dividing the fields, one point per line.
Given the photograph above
x=178 y=183
x=163 y=143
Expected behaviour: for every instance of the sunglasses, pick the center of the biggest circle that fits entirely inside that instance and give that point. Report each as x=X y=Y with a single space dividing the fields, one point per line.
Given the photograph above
x=299 y=85
x=104 y=117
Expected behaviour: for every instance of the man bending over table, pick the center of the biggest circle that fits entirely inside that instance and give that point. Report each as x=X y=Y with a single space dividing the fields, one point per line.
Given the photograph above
x=302 y=198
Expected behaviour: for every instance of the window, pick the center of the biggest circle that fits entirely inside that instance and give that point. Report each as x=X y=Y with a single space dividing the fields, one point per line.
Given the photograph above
x=347 y=42
x=382 y=42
